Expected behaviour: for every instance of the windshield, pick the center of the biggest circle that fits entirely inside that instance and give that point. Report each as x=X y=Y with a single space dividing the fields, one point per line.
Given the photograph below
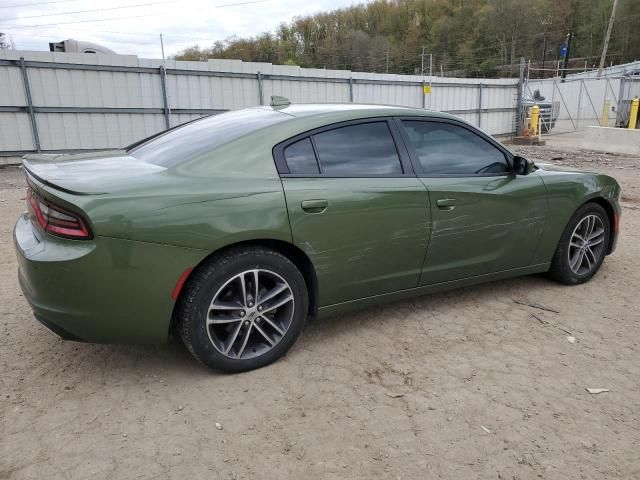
x=201 y=136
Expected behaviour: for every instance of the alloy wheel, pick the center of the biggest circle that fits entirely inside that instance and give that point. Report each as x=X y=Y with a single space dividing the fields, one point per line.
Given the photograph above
x=250 y=314
x=586 y=245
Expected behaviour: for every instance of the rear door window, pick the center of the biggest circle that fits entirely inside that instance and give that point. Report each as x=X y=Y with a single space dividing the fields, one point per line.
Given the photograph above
x=364 y=149
x=301 y=158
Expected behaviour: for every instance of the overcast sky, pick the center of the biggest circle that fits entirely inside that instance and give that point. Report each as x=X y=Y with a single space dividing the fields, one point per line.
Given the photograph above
x=32 y=24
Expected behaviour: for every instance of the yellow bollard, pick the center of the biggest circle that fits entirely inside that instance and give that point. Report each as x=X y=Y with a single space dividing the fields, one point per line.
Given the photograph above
x=605 y=113
x=633 y=116
x=533 y=123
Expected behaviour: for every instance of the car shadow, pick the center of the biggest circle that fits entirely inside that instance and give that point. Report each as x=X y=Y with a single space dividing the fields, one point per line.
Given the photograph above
x=173 y=359
x=520 y=287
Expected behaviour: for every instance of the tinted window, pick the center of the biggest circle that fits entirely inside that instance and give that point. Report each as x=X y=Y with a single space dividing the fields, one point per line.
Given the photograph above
x=446 y=149
x=363 y=149
x=301 y=158
x=196 y=138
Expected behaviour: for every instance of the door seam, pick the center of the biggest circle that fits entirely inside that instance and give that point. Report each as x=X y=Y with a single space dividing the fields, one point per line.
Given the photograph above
x=429 y=231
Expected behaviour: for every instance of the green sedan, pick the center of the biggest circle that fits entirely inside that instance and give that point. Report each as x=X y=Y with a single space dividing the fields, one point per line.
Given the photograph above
x=232 y=230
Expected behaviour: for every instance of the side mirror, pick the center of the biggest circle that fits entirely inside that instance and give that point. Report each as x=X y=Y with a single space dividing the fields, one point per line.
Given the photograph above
x=522 y=166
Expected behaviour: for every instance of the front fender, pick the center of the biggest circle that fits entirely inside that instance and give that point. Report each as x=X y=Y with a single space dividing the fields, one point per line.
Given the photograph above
x=566 y=192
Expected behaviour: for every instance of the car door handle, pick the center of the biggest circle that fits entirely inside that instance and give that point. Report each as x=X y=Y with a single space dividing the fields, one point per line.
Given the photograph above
x=314 y=206
x=446 y=203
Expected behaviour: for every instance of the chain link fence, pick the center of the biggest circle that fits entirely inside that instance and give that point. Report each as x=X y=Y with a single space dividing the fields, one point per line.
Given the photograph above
x=572 y=104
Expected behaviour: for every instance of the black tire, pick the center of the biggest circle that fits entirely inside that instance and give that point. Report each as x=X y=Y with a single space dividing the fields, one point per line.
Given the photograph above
x=561 y=270
x=211 y=277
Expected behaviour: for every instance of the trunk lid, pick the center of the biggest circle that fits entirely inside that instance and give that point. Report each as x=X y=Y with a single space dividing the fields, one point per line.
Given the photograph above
x=89 y=173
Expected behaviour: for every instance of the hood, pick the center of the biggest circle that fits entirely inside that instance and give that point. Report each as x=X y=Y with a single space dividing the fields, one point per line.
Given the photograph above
x=89 y=173
x=559 y=168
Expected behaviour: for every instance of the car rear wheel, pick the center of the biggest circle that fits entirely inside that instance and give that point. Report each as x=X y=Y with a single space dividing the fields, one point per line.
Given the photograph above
x=583 y=246
x=243 y=309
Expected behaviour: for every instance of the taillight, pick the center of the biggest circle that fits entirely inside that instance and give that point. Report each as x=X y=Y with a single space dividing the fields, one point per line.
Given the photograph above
x=56 y=220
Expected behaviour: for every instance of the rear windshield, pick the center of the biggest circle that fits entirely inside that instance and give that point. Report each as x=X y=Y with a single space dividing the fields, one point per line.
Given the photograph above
x=193 y=139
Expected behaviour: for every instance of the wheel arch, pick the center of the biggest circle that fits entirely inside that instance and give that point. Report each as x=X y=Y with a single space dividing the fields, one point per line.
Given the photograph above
x=611 y=215
x=289 y=250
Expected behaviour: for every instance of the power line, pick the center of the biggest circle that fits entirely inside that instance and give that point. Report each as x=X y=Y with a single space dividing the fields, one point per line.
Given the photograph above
x=90 y=21
x=18 y=5
x=87 y=11
x=186 y=42
x=115 y=8
x=114 y=32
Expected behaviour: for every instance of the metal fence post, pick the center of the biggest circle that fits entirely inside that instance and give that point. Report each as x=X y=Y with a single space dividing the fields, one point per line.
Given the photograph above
x=615 y=99
x=579 y=104
x=566 y=106
x=479 y=105
x=260 y=94
x=520 y=94
x=379 y=84
x=32 y=114
x=165 y=100
x=553 y=106
x=620 y=113
x=593 y=107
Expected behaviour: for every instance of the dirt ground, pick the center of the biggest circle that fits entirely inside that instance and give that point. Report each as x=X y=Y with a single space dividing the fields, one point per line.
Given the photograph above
x=472 y=383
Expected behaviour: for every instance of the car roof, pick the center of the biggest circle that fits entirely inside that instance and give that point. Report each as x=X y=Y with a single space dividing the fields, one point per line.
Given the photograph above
x=302 y=118
x=343 y=111
x=251 y=152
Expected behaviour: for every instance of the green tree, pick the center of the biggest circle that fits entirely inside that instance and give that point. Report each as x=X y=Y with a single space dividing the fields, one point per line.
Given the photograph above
x=465 y=37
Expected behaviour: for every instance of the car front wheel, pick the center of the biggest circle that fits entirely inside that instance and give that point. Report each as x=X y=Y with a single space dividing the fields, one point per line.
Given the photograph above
x=583 y=246
x=243 y=309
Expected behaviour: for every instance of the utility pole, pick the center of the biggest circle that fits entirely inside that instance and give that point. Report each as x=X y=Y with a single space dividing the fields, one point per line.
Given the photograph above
x=545 y=23
x=565 y=63
x=569 y=38
x=607 y=37
x=422 y=64
x=387 y=58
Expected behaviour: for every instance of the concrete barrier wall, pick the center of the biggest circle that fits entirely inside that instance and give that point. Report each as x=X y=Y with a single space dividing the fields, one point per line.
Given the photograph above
x=612 y=140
